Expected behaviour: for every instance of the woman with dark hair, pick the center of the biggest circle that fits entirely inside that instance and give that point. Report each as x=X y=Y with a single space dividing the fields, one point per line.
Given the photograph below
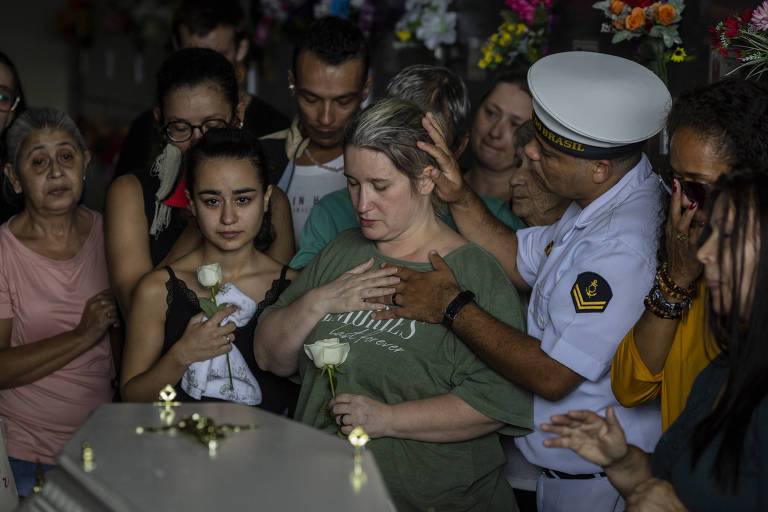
x=714 y=129
x=433 y=410
x=713 y=457
x=12 y=104
x=506 y=105
x=147 y=222
x=168 y=336
x=55 y=306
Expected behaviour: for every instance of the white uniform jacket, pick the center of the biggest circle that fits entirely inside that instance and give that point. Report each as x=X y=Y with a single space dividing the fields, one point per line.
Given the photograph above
x=590 y=272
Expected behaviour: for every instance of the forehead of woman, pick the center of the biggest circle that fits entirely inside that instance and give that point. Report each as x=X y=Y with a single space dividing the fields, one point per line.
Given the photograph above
x=696 y=155
x=48 y=138
x=226 y=173
x=206 y=99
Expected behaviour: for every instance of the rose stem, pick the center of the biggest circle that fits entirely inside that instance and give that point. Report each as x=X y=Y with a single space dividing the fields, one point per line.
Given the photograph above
x=330 y=378
x=229 y=368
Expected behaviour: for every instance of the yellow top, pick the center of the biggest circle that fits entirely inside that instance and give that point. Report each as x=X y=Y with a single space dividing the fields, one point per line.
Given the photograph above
x=632 y=382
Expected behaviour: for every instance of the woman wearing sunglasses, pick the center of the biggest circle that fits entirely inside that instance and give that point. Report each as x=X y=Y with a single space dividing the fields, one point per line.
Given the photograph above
x=713 y=456
x=147 y=221
x=714 y=129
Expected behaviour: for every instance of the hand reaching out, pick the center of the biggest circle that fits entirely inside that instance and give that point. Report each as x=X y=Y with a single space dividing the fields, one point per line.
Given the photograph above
x=422 y=295
x=594 y=438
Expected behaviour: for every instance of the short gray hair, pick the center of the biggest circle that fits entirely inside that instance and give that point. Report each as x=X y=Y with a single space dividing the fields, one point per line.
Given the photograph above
x=523 y=135
x=438 y=90
x=36 y=119
x=392 y=126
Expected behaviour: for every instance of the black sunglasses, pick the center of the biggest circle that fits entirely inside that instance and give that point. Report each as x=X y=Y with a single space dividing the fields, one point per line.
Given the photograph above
x=693 y=190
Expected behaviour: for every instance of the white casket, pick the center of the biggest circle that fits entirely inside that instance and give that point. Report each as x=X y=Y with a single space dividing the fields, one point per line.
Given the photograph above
x=281 y=465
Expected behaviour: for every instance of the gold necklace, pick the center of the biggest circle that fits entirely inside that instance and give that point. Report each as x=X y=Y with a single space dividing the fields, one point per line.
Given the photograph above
x=322 y=166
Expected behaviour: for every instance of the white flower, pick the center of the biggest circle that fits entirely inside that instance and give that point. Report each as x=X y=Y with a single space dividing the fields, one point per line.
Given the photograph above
x=209 y=275
x=437 y=27
x=327 y=352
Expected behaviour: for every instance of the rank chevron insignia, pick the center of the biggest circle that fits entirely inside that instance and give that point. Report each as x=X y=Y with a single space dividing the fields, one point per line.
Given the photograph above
x=590 y=293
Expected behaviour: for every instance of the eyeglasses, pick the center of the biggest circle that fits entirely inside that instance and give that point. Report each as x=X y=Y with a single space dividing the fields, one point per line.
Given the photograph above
x=181 y=131
x=693 y=190
x=8 y=102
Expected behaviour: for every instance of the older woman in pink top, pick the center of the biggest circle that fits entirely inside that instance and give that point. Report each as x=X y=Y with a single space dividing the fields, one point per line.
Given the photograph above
x=55 y=309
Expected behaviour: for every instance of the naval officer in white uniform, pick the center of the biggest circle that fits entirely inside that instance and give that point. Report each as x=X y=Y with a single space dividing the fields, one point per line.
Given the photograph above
x=588 y=273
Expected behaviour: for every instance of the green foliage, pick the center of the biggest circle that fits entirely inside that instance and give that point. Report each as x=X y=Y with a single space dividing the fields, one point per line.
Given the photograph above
x=210 y=307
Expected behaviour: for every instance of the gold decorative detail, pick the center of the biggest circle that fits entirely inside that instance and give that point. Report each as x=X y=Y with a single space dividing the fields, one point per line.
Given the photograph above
x=592 y=289
x=167 y=395
x=358 y=438
x=86 y=453
x=39 y=478
x=584 y=305
x=201 y=428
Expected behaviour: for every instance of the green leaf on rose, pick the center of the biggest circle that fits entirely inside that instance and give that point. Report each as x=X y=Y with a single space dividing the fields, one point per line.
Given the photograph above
x=208 y=306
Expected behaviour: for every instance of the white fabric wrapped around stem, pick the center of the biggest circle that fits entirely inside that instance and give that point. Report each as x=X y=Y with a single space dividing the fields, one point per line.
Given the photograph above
x=211 y=377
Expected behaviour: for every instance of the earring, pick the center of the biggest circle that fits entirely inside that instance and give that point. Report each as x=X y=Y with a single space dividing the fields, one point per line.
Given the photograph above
x=240 y=125
x=291 y=87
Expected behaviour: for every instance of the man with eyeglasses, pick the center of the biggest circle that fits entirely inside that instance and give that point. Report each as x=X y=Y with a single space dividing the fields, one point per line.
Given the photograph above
x=329 y=80
x=220 y=26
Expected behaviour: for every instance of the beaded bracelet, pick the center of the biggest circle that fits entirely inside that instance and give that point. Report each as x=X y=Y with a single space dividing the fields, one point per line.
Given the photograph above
x=670 y=287
x=676 y=308
x=656 y=311
x=655 y=303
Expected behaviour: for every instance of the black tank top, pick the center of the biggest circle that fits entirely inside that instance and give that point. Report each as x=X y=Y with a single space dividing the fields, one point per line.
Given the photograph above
x=278 y=393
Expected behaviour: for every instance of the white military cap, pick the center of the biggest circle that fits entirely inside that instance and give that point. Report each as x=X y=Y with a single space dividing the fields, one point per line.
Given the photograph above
x=593 y=105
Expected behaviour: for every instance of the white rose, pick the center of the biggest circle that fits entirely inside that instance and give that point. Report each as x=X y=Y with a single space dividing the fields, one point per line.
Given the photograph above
x=209 y=275
x=327 y=352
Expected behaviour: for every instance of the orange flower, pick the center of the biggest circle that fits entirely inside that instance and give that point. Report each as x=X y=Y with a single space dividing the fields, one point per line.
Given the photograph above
x=617 y=6
x=666 y=14
x=636 y=19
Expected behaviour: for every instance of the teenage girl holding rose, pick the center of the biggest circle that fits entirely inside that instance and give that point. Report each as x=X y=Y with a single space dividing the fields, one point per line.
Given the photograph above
x=169 y=341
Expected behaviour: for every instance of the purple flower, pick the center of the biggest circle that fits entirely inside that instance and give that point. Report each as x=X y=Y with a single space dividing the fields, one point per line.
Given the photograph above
x=760 y=16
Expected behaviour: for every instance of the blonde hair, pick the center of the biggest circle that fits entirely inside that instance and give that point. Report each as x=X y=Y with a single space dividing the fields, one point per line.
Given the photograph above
x=392 y=126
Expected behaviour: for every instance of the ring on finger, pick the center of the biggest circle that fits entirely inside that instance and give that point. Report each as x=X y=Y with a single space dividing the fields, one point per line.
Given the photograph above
x=228 y=338
x=682 y=236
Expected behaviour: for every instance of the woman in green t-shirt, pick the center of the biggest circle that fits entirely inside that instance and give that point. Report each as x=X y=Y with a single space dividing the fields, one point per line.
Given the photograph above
x=432 y=409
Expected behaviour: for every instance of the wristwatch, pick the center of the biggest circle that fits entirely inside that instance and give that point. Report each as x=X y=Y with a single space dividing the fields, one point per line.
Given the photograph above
x=461 y=300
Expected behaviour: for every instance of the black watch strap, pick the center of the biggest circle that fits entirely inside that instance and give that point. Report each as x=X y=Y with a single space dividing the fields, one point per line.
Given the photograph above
x=461 y=300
